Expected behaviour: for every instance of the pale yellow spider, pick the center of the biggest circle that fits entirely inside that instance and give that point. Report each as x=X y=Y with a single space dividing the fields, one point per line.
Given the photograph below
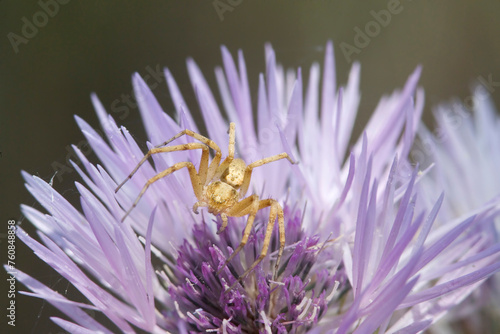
x=221 y=187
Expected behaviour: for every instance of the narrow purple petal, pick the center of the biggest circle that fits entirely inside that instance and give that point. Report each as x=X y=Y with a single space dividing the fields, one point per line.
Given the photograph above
x=71 y=309
x=444 y=288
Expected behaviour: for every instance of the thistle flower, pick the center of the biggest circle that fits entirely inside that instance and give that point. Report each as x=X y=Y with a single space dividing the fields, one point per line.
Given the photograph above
x=464 y=148
x=359 y=256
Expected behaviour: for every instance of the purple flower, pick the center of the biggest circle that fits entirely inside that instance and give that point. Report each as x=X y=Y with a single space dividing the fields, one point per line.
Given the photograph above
x=205 y=301
x=364 y=252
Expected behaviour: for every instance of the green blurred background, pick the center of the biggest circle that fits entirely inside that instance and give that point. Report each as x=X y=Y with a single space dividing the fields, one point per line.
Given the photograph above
x=95 y=46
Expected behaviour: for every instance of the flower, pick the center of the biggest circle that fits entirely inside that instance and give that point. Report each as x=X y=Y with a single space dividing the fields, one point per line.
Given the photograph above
x=464 y=148
x=362 y=254
x=204 y=301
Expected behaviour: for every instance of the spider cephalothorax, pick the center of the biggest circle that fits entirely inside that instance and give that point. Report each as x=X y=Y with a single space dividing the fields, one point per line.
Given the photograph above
x=221 y=187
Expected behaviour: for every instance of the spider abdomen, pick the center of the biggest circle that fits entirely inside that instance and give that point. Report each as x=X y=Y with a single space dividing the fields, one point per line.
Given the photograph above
x=220 y=196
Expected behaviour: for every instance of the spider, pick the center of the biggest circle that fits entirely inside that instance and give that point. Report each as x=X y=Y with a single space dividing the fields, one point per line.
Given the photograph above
x=221 y=187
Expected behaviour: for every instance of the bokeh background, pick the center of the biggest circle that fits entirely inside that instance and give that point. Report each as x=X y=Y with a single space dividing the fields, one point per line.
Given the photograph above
x=47 y=74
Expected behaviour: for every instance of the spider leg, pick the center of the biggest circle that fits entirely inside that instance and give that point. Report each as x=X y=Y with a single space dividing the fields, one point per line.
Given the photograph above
x=258 y=163
x=248 y=206
x=195 y=180
x=197 y=205
x=232 y=130
x=195 y=135
x=230 y=156
x=276 y=210
x=210 y=143
x=185 y=147
x=224 y=223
